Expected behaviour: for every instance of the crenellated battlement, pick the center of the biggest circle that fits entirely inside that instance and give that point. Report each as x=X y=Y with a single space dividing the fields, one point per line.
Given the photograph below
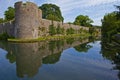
x=27 y=20
x=21 y=4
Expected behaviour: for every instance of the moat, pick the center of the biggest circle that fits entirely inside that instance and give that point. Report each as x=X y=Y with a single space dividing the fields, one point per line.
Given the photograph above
x=70 y=59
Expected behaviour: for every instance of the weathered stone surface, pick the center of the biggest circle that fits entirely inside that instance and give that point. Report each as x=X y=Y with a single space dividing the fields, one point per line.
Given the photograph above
x=26 y=20
x=28 y=23
x=7 y=27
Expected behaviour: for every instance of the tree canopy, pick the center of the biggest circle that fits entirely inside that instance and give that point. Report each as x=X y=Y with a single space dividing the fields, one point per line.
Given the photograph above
x=111 y=24
x=1 y=20
x=118 y=12
x=83 y=21
x=83 y=47
x=9 y=14
x=51 y=12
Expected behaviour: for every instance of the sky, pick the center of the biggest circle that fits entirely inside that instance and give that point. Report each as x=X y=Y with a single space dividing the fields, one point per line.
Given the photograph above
x=95 y=9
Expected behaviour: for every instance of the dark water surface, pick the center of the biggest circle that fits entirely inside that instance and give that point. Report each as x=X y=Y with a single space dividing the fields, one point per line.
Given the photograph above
x=72 y=59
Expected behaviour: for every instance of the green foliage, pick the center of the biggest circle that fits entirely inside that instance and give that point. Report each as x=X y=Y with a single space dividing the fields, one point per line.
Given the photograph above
x=59 y=31
x=51 y=12
x=51 y=59
x=83 y=47
x=70 y=31
x=52 y=30
x=70 y=23
x=118 y=12
x=59 y=43
x=83 y=21
x=110 y=25
x=52 y=46
x=80 y=30
x=70 y=40
x=11 y=57
x=1 y=20
x=55 y=44
x=9 y=14
x=62 y=30
x=91 y=30
x=4 y=36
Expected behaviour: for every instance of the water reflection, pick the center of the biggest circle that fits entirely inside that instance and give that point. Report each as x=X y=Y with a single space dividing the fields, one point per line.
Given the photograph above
x=83 y=47
x=29 y=57
x=111 y=51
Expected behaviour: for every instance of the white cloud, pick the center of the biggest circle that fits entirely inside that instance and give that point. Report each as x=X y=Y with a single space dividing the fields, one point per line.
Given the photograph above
x=68 y=5
x=99 y=2
x=71 y=8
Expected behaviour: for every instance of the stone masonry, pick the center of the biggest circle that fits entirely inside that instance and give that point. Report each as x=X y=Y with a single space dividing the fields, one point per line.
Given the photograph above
x=28 y=23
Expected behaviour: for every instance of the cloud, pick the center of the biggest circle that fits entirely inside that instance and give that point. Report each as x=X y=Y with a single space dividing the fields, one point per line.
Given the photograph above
x=68 y=5
x=92 y=8
x=95 y=9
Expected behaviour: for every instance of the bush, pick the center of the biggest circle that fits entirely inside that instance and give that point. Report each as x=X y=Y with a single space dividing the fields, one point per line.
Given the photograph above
x=70 y=31
x=59 y=30
x=5 y=36
x=52 y=30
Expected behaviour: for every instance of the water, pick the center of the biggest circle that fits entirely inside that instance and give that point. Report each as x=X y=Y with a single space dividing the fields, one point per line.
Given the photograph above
x=72 y=59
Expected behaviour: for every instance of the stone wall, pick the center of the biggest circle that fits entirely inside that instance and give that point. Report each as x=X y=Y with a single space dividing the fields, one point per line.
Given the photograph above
x=44 y=23
x=7 y=27
x=28 y=23
x=27 y=20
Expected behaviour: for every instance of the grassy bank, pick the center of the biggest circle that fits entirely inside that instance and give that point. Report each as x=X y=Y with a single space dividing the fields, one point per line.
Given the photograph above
x=56 y=37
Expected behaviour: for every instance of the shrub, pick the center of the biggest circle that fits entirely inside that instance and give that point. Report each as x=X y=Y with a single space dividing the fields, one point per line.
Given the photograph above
x=4 y=36
x=52 y=30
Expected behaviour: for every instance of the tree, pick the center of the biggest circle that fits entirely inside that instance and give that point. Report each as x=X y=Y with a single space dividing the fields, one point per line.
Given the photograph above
x=52 y=30
x=70 y=31
x=92 y=30
x=109 y=24
x=51 y=12
x=118 y=12
x=83 y=21
x=58 y=30
x=1 y=20
x=9 y=14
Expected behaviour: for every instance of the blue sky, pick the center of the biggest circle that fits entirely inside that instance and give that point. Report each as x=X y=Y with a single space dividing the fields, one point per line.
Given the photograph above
x=95 y=9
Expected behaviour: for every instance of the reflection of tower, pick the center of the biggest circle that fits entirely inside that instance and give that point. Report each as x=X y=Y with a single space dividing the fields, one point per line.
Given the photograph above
x=30 y=56
x=28 y=60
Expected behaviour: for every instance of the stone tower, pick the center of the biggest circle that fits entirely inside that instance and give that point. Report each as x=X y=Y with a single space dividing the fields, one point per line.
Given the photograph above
x=27 y=20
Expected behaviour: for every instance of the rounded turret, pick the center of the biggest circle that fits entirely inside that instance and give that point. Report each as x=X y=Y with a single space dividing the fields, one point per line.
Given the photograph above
x=27 y=20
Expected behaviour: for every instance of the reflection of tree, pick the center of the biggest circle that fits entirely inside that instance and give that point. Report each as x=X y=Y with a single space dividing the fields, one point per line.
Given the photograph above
x=55 y=44
x=52 y=46
x=51 y=59
x=70 y=40
x=111 y=51
x=91 y=39
x=83 y=47
x=11 y=57
x=59 y=43
x=30 y=56
x=117 y=62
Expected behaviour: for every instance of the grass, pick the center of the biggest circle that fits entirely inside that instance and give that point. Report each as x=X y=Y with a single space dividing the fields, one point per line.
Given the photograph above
x=55 y=37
